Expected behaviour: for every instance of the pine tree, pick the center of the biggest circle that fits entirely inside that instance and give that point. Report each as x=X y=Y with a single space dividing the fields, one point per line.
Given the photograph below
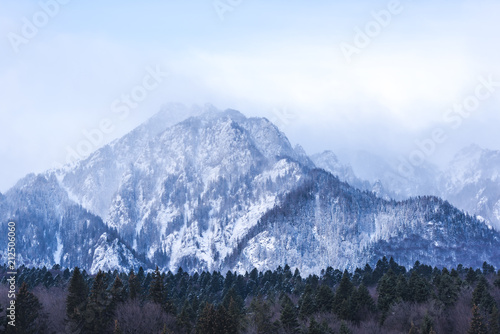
x=288 y=316
x=76 y=301
x=134 y=286
x=471 y=276
x=226 y=324
x=488 y=269
x=477 y=324
x=207 y=321
x=156 y=288
x=365 y=300
x=419 y=288
x=482 y=297
x=447 y=289
x=386 y=292
x=98 y=312
x=402 y=289
x=28 y=311
x=231 y=295
x=184 y=319
x=324 y=298
x=307 y=305
x=361 y=303
x=342 y=300
x=236 y=314
x=117 y=292
x=262 y=315
x=494 y=321
x=367 y=275
x=316 y=328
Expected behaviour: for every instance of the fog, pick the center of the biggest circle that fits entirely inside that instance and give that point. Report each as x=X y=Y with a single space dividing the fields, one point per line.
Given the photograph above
x=388 y=77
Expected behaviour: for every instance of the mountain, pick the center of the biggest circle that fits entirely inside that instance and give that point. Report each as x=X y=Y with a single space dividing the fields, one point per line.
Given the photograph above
x=419 y=181
x=328 y=161
x=220 y=191
x=51 y=228
x=471 y=181
x=326 y=222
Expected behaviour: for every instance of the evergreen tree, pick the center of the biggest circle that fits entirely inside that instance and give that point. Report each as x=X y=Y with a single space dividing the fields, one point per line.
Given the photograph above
x=471 y=276
x=324 y=298
x=169 y=307
x=76 y=301
x=214 y=320
x=419 y=288
x=134 y=285
x=402 y=289
x=307 y=305
x=226 y=323
x=488 y=269
x=185 y=317
x=231 y=295
x=140 y=275
x=342 y=301
x=117 y=292
x=361 y=303
x=482 y=297
x=447 y=289
x=386 y=292
x=98 y=312
x=316 y=328
x=66 y=274
x=261 y=315
x=367 y=275
x=156 y=288
x=234 y=315
x=289 y=316
x=28 y=312
x=207 y=321
x=477 y=324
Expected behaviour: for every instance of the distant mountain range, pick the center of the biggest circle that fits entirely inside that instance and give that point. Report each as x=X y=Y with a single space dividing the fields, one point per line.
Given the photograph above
x=470 y=181
x=220 y=191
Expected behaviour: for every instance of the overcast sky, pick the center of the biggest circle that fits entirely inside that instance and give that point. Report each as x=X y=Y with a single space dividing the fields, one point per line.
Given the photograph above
x=372 y=75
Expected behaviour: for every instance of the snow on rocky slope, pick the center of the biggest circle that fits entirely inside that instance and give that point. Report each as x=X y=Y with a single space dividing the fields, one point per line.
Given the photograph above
x=219 y=191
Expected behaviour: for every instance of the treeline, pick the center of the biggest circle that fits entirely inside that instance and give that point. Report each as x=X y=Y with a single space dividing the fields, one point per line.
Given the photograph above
x=385 y=299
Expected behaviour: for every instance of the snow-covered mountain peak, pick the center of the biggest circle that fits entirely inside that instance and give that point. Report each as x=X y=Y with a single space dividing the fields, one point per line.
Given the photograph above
x=206 y=189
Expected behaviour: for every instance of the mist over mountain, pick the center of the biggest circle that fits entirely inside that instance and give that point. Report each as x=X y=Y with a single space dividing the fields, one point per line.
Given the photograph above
x=219 y=191
x=470 y=180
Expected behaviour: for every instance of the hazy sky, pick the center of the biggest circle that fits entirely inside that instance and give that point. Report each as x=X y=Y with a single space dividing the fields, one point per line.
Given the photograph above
x=373 y=75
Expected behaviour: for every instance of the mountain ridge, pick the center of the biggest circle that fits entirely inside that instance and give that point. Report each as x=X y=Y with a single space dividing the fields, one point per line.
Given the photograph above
x=196 y=193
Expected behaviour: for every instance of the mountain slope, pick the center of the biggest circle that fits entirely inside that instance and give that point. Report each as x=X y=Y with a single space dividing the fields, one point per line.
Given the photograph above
x=50 y=228
x=472 y=182
x=221 y=191
x=325 y=222
x=184 y=194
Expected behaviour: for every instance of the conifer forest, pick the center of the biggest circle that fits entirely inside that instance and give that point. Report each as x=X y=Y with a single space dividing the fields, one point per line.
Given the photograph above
x=387 y=298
